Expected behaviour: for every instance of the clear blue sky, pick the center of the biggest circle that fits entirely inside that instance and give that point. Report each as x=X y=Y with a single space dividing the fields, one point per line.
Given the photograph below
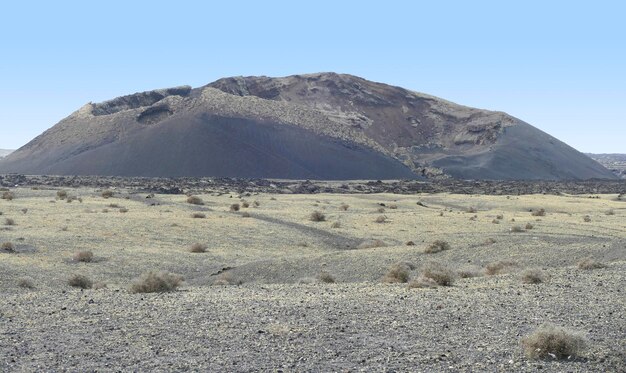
x=558 y=65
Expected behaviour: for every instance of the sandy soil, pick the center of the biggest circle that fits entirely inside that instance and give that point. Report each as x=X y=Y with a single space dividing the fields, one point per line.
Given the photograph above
x=281 y=317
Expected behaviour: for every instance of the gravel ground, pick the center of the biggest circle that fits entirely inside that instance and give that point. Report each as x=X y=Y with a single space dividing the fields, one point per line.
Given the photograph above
x=475 y=325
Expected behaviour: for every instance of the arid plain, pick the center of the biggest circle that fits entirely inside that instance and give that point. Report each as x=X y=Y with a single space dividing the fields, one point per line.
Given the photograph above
x=277 y=289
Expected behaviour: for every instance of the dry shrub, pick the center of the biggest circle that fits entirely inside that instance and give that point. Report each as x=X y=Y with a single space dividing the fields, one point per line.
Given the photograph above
x=26 y=283
x=198 y=215
x=381 y=219
x=590 y=263
x=307 y=280
x=123 y=210
x=156 y=282
x=529 y=226
x=495 y=221
x=24 y=211
x=610 y=212
x=398 y=273
x=500 y=217
x=114 y=205
x=107 y=194
x=234 y=207
x=317 y=216
x=85 y=256
x=344 y=207
x=256 y=203
x=9 y=221
x=393 y=206
x=245 y=204
x=336 y=225
x=80 y=281
x=8 y=246
x=540 y=212
x=9 y=196
x=99 y=285
x=410 y=243
x=438 y=272
x=587 y=219
x=499 y=267
x=370 y=244
x=195 y=200
x=198 y=248
x=381 y=210
x=245 y=214
x=533 y=276
x=553 y=341
x=490 y=241
x=326 y=278
x=61 y=194
x=422 y=283
x=437 y=246
x=471 y=210
x=516 y=229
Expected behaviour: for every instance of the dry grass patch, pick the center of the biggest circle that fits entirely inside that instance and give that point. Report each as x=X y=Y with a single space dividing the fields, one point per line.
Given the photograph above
x=553 y=341
x=84 y=256
x=500 y=267
x=9 y=196
x=437 y=246
x=317 y=216
x=469 y=272
x=336 y=225
x=156 y=282
x=80 y=281
x=227 y=278
x=198 y=248
x=590 y=263
x=370 y=244
x=198 y=215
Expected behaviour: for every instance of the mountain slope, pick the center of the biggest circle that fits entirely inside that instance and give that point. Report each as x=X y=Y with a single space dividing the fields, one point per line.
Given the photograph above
x=318 y=126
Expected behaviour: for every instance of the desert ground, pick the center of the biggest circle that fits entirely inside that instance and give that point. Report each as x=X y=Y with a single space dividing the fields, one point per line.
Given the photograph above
x=277 y=291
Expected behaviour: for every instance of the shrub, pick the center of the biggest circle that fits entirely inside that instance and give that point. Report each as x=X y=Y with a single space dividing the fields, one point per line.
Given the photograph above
x=610 y=212
x=381 y=219
x=107 y=194
x=499 y=267
x=83 y=256
x=422 y=283
x=438 y=272
x=471 y=210
x=8 y=196
x=156 y=282
x=540 y=212
x=393 y=206
x=490 y=241
x=410 y=243
x=245 y=204
x=516 y=229
x=198 y=248
x=8 y=246
x=398 y=273
x=234 y=207
x=80 y=281
x=9 y=221
x=245 y=214
x=326 y=277
x=344 y=207
x=227 y=278
x=61 y=194
x=317 y=216
x=198 y=215
x=553 y=341
x=437 y=246
x=123 y=210
x=587 y=219
x=381 y=210
x=590 y=263
x=256 y=203
x=336 y=225
x=25 y=283
x=529 y=226
x=533 y=276
x=499 y=217
x=495 y=221
x=468 y=272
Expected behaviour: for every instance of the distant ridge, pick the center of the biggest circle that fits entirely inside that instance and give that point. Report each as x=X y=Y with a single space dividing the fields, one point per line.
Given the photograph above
x=314 y=126
x=5 y=152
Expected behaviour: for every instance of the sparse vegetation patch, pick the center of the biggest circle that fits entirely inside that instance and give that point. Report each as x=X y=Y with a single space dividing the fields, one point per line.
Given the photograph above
x=156 y=282
x=551 y=341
